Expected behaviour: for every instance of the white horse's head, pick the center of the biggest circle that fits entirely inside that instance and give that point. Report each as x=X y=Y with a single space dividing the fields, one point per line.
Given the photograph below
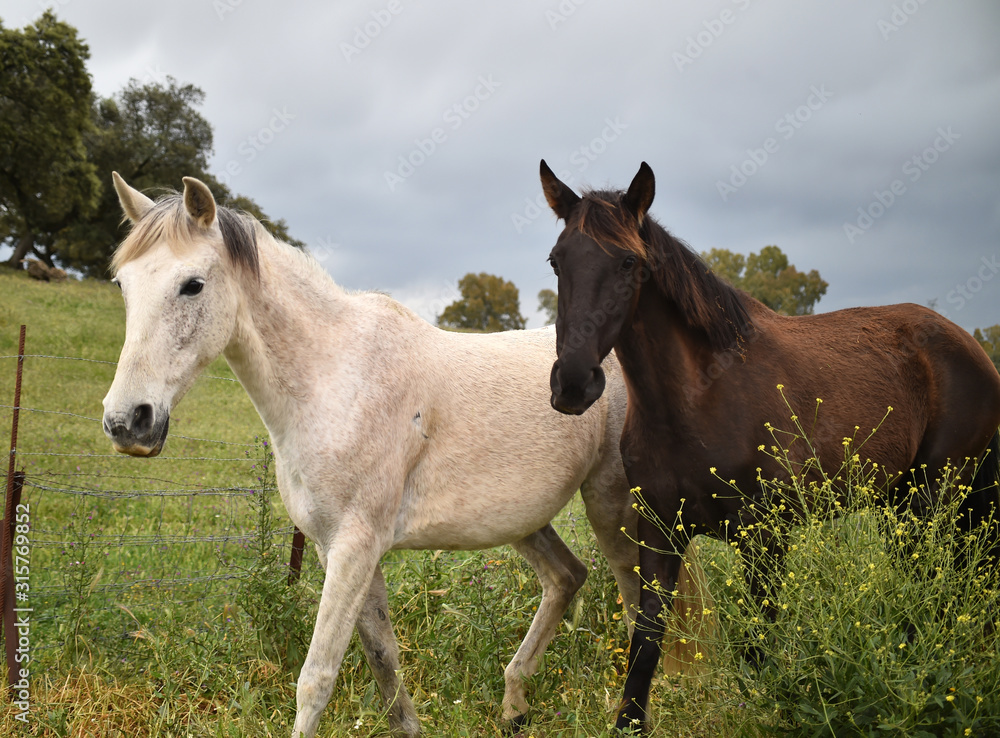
x=180 y=270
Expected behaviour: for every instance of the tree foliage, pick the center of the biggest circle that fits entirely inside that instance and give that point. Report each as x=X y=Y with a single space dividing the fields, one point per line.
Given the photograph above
x=989 y=339
x=548 y=303
x=277 y=228
x=488 y=304
x=770 y=278
x=153 y=135
x=56 y=198
x=47 y=180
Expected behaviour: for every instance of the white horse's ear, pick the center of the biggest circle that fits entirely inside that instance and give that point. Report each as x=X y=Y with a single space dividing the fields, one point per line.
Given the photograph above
x=134 y=203
x=199 y=202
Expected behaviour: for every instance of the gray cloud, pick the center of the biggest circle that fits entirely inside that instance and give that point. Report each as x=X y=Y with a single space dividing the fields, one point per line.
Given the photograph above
x=594 y=88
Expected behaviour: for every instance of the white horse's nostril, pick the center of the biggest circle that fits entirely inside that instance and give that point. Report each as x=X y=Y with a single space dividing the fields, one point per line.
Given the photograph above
x=142 y=419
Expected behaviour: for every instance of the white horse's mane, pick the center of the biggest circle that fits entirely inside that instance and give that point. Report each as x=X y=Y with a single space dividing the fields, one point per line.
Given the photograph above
x=168 y=220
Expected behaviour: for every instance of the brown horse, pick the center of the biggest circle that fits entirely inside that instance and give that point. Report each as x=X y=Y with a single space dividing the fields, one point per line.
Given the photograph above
x=703 y=362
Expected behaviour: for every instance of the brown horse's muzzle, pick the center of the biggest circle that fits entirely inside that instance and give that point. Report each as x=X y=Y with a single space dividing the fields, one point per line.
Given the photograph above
x=575 y=387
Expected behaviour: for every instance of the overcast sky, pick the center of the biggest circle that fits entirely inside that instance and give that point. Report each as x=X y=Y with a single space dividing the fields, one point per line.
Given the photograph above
x=401 y=140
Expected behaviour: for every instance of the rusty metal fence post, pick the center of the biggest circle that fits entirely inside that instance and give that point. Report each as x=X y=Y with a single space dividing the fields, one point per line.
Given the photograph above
x=6 y=550
x=295 y=561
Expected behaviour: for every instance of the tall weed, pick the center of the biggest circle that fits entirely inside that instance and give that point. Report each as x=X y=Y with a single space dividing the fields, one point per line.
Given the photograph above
x=877 y=621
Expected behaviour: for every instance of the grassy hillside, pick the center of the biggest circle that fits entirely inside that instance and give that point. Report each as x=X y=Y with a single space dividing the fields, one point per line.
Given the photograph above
x=160 y=602
x=110 y=530
x=150 y=590
x=86 y=320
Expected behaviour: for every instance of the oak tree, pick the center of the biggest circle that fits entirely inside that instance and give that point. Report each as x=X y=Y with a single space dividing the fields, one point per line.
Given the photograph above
x=488 y=303
x=770 y=278
x=548 y=303
x=989 y=339
x=47 y=180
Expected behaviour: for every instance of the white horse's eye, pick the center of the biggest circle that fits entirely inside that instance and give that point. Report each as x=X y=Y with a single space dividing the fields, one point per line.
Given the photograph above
x=116 y=283
x=192 y=287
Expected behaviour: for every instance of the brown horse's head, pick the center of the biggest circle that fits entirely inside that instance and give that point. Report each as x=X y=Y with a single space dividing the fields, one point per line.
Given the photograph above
x=600 y=262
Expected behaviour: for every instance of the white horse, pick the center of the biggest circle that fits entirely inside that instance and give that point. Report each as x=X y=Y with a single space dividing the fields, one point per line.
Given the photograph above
x=388 y=432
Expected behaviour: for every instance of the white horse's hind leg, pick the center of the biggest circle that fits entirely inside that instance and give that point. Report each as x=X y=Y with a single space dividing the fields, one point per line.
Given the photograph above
x=561 y=574
x=382 y=654
x=350 y=563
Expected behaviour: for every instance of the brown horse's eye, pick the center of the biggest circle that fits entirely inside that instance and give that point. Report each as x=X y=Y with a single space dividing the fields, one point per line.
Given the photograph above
x=628 y=262
x=554 y=265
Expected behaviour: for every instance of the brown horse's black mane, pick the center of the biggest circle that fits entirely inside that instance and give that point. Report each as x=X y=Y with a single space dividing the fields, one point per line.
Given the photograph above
x=707 y=301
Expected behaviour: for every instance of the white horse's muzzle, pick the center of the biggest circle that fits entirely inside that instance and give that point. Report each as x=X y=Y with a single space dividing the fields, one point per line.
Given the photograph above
x=140 y=431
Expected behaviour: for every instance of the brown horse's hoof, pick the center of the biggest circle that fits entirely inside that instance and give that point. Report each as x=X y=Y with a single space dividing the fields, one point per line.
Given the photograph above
x=629 y=726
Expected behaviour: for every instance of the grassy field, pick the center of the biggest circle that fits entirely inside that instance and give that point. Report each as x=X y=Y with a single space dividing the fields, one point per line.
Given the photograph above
x=154 y=601
x=161 y=608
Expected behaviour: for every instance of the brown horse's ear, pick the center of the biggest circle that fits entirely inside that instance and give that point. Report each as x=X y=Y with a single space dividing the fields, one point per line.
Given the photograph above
x=640 y=193
x=134 y=203
x=561 y=198
x=199 y=202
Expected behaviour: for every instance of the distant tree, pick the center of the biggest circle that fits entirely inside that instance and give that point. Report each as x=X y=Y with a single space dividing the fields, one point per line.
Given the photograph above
x=727 y=264
x=47 y=180
x=548 y=302
x=989 y=339
x=770 y=278
x=488 y=303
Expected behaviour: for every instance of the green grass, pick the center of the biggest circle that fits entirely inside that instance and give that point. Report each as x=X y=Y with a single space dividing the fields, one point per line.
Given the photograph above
x=161 y=606
x=143 y=628
x=109 y=530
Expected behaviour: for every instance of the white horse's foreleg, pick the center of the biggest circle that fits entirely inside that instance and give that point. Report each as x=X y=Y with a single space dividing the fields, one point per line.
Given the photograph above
x=561 y=574
x=351 y=561
x=382 y=654
x=609 y=509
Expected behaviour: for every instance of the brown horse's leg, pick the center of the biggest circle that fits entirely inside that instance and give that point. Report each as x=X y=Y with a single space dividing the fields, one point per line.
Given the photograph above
x=659 y=573
x=982 y=506
x=764 y=559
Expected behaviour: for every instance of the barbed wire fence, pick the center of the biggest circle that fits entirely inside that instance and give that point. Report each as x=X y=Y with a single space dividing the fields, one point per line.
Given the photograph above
x=115 y=542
